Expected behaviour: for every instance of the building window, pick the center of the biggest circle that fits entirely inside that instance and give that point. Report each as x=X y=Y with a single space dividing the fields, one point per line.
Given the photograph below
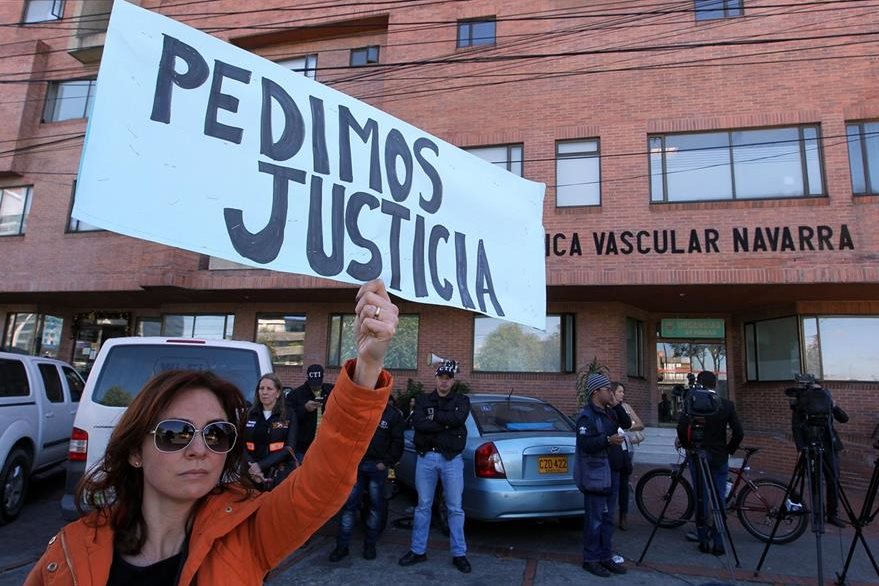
x=364 y=56
x=306 y=65
x=477 y=32
x=402 y=353
x=75 y=225
x=36 y=334
x=15 y=204
x=69 y=100
x=577 y=173
x=841 y=348
x=42 y=10
x=738 y=164
x=206 y=327
x=863 y=156
x=148 y=326
x=284 y=335
x=714 y=9
x=507 y=157
x=773 y=349
x=501 y=346
x=634 y=347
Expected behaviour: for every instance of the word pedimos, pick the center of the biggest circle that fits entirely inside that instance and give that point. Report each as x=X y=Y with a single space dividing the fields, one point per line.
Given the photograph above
x=201 y=145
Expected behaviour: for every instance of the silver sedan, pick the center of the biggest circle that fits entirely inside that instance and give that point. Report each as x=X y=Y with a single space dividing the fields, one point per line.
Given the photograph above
x=518 y=462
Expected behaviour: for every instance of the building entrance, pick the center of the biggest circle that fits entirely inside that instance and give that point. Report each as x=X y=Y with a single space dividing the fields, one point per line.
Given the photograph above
x=675 y=360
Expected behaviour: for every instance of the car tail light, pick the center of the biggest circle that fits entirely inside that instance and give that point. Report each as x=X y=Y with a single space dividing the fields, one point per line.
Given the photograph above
x=79 y=445
x=488 y=462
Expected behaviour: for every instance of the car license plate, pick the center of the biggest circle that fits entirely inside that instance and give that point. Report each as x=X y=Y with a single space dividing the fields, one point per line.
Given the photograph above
x=552 y=464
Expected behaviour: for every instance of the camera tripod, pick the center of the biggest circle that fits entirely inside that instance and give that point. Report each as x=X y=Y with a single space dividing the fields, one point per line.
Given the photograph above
x=868 y=513
x=699 y=460
x=809 y=470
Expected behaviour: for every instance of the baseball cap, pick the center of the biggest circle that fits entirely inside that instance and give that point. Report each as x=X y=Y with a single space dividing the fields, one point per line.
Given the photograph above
x=315 y=373
x=447 y=368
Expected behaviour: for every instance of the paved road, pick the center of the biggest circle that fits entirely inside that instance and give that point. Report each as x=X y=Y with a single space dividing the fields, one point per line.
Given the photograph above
x=526 y=553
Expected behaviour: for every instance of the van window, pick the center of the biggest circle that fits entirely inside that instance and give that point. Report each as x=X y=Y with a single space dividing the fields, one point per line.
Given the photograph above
x=127 y=368
x=52 y=382
x=13 y=379
x=74 y=383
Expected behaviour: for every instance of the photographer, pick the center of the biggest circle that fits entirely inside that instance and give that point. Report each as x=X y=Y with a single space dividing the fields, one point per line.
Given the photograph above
x=708 y=433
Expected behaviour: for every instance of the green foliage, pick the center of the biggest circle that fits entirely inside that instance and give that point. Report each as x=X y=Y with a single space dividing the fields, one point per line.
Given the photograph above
x=513 y=348
x=593 y=367
x=116 y=397
x=402 y=398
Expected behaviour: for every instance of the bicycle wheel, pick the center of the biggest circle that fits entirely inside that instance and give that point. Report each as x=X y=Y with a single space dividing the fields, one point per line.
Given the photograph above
x=761 y=503
x=651 y=496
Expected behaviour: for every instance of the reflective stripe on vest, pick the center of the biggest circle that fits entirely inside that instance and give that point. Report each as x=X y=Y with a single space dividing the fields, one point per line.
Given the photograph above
x=250 y=446
x=275 y=446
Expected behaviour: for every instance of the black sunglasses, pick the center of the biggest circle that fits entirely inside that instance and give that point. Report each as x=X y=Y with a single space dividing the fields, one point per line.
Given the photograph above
x=173 y=435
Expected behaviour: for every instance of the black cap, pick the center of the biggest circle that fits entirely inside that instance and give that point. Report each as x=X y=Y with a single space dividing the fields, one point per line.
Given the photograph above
x=315 y=374
x=447 y=368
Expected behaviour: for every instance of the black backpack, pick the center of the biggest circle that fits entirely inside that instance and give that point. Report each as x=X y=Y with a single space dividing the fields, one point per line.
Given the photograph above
x=701 y=403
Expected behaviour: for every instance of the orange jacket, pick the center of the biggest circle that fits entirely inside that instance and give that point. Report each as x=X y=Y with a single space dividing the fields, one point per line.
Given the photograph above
x=234 y=540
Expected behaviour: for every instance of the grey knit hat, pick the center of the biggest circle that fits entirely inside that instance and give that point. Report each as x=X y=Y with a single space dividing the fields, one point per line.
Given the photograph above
x=594 y=382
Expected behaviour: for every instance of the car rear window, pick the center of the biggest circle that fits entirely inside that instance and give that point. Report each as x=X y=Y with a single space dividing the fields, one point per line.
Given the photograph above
x=512 y=416
x=13 y=379
x=127 y=368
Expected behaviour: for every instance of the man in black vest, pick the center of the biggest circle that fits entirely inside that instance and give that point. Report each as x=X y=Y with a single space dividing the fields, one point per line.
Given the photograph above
x=307 y=401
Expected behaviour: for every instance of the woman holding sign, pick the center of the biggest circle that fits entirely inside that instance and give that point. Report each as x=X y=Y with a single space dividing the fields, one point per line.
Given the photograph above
x=181 y=512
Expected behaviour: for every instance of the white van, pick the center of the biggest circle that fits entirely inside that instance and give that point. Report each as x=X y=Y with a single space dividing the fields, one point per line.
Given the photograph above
x=120 y=371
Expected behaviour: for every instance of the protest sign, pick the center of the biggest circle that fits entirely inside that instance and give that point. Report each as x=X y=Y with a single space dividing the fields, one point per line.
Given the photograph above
x=201 y=145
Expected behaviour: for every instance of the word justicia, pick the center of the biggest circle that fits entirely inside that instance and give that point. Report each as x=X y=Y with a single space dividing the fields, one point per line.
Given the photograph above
x=396 y=171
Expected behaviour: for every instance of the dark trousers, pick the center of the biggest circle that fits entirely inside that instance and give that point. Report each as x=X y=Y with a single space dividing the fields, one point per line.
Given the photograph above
x=371 y=479
x=599 y=511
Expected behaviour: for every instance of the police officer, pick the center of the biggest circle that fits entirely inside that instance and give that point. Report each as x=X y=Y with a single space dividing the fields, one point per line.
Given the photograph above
x=307 y=401
x=440 y=436
x=383 y=453
x=269 y=435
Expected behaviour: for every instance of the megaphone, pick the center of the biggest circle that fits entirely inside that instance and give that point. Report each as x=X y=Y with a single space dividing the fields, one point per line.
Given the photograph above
x=434 y=359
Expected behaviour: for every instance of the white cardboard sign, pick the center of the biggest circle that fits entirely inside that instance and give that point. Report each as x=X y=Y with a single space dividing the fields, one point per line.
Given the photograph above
x=201 y=145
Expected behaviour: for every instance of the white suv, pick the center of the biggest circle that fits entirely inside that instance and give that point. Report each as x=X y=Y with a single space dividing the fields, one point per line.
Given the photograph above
x=122 y=368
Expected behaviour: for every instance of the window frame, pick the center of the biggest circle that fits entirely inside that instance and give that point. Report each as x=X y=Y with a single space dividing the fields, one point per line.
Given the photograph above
x=281 y=315
x=640 y=348
x=52 y=97
x=310 y=69
x=802 y=141
x=466 y=41
x=871 y=184
x=510 y=161
x=226 y=317
x=756 y=359
x=367 y=53
x=26 y=208
x=727 y=8
x=584 y=155
x=801 y=318
x=56 y=11
x=35 y=346
x=331 y=359
x=567 y=346
x=75 y=226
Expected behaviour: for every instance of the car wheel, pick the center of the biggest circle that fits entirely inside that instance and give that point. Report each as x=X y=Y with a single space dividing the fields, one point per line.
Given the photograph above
x=13 y=485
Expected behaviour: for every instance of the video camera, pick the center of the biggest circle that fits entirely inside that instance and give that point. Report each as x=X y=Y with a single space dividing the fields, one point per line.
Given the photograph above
x=698 y=403
x=812 y=408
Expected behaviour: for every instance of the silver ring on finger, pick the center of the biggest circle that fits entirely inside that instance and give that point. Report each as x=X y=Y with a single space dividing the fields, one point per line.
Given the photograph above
x=378 y=312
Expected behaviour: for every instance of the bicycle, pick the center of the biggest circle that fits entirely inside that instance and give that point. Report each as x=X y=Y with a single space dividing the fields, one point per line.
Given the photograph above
x=757 y=503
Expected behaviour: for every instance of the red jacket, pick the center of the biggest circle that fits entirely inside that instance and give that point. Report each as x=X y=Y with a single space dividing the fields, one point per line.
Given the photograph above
x=235 y=541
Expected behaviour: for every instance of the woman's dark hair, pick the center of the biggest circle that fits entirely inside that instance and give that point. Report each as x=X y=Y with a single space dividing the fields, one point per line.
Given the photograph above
x=115 y=476
x=279 y=409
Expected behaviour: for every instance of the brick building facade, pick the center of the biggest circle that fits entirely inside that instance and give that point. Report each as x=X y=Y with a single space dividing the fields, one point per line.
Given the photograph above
x=709 y=197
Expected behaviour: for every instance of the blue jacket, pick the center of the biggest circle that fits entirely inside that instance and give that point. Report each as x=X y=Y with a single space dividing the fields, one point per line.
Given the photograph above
x=595 y=454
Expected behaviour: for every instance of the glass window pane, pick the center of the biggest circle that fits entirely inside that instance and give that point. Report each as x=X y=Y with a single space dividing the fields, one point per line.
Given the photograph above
x=856 y=158
x=751 y=351
x=21 y=332
x=697 y=167
x=209 y=327
x=285 y=337
x=402 y=353
x=149 y=326
x=13 y=379
x=43 y=10
x=812 y=359
x=871 y=141
x=513 y=416
x=50 y=339
x=483 y=32
x=709 y=9
x=501 y=346
x=634 y=347
x=52 y=383
x=463 y=34
x=578 y=182
x=577 y=147
x=74 y=383
x=848 y=348
x=778 y=349
x=70 y=100
x=657 y=191
x=13 y=209
x=516 y=156
x=306 y=65
x=767 y=163
x=507 y=157
x=177 y=326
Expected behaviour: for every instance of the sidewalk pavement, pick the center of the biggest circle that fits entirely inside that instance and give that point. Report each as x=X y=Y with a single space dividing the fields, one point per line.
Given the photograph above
x=549 y=553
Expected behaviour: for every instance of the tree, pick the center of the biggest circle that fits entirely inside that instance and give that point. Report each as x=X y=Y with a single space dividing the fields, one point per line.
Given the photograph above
x=511 y=348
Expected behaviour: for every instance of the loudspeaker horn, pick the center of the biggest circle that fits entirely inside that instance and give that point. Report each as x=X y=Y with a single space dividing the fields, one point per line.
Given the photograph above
x=434 y=359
